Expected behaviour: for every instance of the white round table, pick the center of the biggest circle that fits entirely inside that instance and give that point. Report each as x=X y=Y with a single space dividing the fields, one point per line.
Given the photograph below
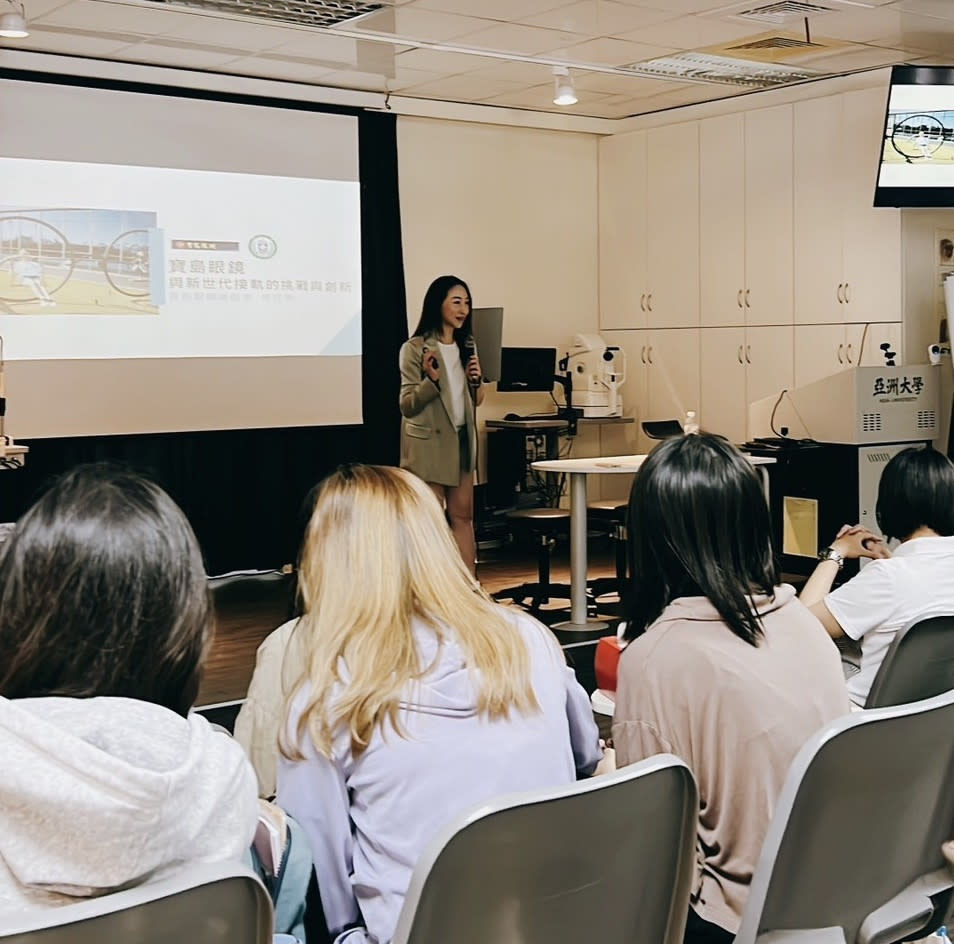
x=578 y=469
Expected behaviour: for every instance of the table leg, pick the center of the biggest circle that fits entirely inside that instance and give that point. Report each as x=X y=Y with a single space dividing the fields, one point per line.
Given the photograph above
x=578 y=620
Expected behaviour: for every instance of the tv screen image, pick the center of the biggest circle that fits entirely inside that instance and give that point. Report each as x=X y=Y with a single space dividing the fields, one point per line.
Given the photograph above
x=917 y=149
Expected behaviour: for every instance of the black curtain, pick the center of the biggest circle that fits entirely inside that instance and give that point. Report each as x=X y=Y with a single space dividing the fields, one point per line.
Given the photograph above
x=243 y=489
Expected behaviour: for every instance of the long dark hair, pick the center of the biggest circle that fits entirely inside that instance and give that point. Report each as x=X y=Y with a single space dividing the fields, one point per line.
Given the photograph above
x=916 y=490
x=699 y=526
x=103 y=592
x=431 y=321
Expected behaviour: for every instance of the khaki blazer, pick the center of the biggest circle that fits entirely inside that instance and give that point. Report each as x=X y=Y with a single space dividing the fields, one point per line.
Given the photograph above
x=430 y=447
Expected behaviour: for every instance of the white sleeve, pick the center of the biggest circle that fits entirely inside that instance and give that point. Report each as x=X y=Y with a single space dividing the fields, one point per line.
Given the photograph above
x=314 y=792
x=584 y=734
x=865 y=602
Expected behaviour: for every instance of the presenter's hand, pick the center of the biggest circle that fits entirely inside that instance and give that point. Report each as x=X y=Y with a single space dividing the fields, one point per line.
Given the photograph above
x=473 y=370
x=854 y=541
x=431 y=367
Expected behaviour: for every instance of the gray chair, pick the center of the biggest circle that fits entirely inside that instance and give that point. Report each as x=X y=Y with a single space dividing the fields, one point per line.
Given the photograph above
x=918 y=664
x=608 y=859
x=208 y=903
x=853 y=854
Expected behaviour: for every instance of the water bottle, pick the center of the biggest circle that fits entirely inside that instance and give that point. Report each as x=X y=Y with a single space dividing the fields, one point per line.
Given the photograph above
x=939 y=936
x=690 y=424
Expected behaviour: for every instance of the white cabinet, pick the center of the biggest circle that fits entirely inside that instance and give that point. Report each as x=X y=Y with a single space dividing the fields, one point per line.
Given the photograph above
x=662 y=375
x=672 y=225
x=622 y=220
x=821 y=350
x=745 y=218
x=737 y=367
x=847 y=253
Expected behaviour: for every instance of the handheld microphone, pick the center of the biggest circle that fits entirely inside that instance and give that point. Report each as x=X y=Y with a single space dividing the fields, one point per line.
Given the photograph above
x=470 y=349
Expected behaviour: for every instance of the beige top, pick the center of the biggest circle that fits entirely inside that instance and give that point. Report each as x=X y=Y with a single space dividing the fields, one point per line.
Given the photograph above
x=737 y=714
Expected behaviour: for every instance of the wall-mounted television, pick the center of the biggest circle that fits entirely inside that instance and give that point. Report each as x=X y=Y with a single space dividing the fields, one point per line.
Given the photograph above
x=917 y=147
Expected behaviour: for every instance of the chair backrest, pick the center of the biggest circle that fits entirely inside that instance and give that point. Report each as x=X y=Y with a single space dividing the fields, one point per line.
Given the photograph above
x=919 y=664
x=861 y=817
x=611 y=858
x=208 y=903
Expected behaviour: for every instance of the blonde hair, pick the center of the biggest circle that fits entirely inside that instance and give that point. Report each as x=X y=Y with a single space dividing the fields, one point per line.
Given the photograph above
x=378 y=556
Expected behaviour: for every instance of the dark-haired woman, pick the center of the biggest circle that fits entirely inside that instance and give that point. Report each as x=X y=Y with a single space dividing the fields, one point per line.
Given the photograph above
x=440 y=390
x=107 y=779
x=916 y=506
x=726 y=668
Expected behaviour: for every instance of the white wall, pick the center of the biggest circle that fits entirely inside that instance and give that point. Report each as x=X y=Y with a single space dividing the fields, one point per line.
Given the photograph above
x=513 y=211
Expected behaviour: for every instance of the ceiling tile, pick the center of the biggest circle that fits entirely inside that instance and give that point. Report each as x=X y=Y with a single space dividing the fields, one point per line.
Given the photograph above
x=692 y=32
x=525 y=73
x=83 y=45
x=447 y=63
x=598 y=18
x=854 y=59
x=352 y=79
x=430 y=25
x=630 y=86
x=943 y=9
x=682 y=7
x=462 y=88
x=341 y=51
x=228 y=32
x=404 y=77
x=186 y=58
x=526 y=40
x=114 y=17
x=278 y=69
x=38 y=8
x=612 y=52
x=506 y=10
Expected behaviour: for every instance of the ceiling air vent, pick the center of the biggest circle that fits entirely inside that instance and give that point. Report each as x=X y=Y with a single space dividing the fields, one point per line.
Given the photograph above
x=720 y=70
x=315 y=13
x=781 y=12
x=775 y=42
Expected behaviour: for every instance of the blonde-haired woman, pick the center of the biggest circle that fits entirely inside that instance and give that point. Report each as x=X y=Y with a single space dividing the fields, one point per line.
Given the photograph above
x=421 y=697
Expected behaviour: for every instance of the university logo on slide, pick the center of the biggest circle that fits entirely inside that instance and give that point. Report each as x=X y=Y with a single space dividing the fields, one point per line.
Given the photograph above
x=262 y=247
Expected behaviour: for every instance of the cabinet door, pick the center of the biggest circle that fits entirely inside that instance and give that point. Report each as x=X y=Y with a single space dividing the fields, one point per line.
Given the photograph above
x=863 y=344
x=819 y=266
x=672 y=231
x=872 y=234
x=769 y=252
x=722 y=179
x=769 y=362
x=819 y=352
x=673 y=373
x=622 y=212
x=722 y=403
x=633 y=393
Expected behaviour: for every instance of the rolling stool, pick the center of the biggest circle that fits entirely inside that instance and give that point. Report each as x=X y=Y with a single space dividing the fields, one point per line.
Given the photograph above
x=544 y=524
x=611 y=517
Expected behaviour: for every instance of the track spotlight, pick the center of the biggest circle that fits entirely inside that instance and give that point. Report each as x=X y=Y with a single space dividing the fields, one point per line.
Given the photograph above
x=563 y=91
x=13 y=22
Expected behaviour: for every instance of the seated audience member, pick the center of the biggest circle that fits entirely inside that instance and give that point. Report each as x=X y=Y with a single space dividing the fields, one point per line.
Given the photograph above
x=279 y=664
x=726 y=668
x=916 y=506
x=422 y=697
x=107 y=779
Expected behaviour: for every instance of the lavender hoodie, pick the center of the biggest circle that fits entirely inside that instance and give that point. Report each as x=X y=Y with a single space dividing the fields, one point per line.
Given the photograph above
x=369 y=818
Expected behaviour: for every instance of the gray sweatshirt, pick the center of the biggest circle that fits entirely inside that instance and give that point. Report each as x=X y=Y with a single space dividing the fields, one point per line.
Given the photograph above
x=99 y=793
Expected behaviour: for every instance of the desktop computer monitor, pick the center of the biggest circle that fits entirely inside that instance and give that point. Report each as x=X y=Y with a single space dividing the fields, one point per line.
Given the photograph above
x=527 y=369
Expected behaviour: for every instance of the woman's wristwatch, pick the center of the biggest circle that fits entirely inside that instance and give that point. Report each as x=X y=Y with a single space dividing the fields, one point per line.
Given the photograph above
x=829 y=553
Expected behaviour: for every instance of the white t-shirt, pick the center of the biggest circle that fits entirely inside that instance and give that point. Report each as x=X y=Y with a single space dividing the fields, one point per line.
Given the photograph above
x=889 y=595
x=456 y=381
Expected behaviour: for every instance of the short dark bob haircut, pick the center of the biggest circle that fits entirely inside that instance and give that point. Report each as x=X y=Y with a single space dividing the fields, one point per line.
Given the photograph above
x=699 y=526
x=431 y=320
x=103 y=592
x=916 y=490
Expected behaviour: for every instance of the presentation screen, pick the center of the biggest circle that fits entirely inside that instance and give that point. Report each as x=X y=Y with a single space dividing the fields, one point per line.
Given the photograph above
x=173 y=264
x=917 y=149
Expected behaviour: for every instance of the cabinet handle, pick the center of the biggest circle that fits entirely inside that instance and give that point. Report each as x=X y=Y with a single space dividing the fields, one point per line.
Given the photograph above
x=738 y=298
x=747 y=305
x=642 y=353
x=841 y=350
x=642 y=302
x=848 y=354
x=841 y=298
x=740 y=353
x=649 y=305
x=649 y=351
x=748 y=353
x=847 y=293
